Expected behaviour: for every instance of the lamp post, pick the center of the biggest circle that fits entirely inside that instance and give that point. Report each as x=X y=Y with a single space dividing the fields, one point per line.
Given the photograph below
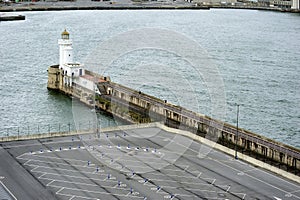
x=237 y=130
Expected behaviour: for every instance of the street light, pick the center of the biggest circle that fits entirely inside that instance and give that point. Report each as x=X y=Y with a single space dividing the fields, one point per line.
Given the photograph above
x=237 y=130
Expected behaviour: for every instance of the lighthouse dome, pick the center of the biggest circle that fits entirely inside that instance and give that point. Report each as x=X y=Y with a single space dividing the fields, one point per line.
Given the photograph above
x=65 y=35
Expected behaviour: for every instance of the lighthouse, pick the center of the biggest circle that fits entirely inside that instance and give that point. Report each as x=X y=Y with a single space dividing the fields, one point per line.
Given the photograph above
x=70 y=70
x=65 y=49
x=69 y=75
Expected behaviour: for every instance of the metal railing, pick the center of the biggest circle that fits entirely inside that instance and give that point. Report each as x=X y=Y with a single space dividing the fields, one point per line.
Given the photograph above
x=41 y=128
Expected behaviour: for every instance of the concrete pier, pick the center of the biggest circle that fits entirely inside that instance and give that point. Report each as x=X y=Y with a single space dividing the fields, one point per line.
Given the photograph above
x=137 y=107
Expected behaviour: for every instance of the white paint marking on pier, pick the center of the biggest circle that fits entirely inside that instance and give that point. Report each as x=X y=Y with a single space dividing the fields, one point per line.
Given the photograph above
x=50 y=182
x=26 y=163
x=42 y=175
x=199 y=174
x=214 y=180
x=288 y=195
x=228 y=189
x=61 y=189
x=72 y=197
x=20 y=156
x=57 y=158
x=11 y=194
x=35 y=168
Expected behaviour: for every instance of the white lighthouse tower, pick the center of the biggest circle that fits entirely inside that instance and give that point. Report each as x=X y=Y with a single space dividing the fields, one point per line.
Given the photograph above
x=70 y=70
x=65 y=49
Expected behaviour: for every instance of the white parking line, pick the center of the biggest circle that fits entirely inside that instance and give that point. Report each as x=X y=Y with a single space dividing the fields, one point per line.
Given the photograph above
x=82 y=197
x=57 y=158
x=70 y=170
x=42 y=175
x=50 y=182
x=27 y=162
x=95 y=192
x=36 y=166
x=61 y=189
x=58 y=163
x=6 y=189
x=84 y=184
x=199 y=175
x=72 y=197
x=228 y=189
x=64 y=175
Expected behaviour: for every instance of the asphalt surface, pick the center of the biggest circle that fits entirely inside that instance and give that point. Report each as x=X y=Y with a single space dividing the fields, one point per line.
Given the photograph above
x=146 y=163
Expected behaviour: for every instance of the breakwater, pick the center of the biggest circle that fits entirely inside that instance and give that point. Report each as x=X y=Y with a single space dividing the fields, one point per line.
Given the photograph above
x=137 y=107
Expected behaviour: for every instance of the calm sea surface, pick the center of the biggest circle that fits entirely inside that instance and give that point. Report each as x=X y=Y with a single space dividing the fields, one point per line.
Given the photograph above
x=257 y=54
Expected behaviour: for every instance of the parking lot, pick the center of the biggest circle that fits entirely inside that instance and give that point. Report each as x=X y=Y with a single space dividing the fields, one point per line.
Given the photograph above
x=146 y=163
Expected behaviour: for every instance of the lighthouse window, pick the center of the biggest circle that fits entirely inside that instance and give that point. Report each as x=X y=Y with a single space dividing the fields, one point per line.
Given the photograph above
x=69 y=55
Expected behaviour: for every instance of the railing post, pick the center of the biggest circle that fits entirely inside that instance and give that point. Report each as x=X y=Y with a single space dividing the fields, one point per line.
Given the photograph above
x=69 y=127
x=237 y=130
x=49 y=128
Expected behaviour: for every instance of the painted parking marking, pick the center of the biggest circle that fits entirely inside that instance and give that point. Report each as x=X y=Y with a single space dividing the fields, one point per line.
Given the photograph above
x=143 y=155
x=7 y=190
x=50 y=182
x=72 y=197
x=71 y=176
x=90 y=187
x=32 y=170
x=52 y=157
x=52 y=165
x=61 y=189
x=94 y=194
x=64 y=170
x=60 y=182
x=43 y=174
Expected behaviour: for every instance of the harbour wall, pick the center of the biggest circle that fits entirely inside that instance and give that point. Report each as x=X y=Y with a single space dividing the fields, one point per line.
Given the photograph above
x=136 y=107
